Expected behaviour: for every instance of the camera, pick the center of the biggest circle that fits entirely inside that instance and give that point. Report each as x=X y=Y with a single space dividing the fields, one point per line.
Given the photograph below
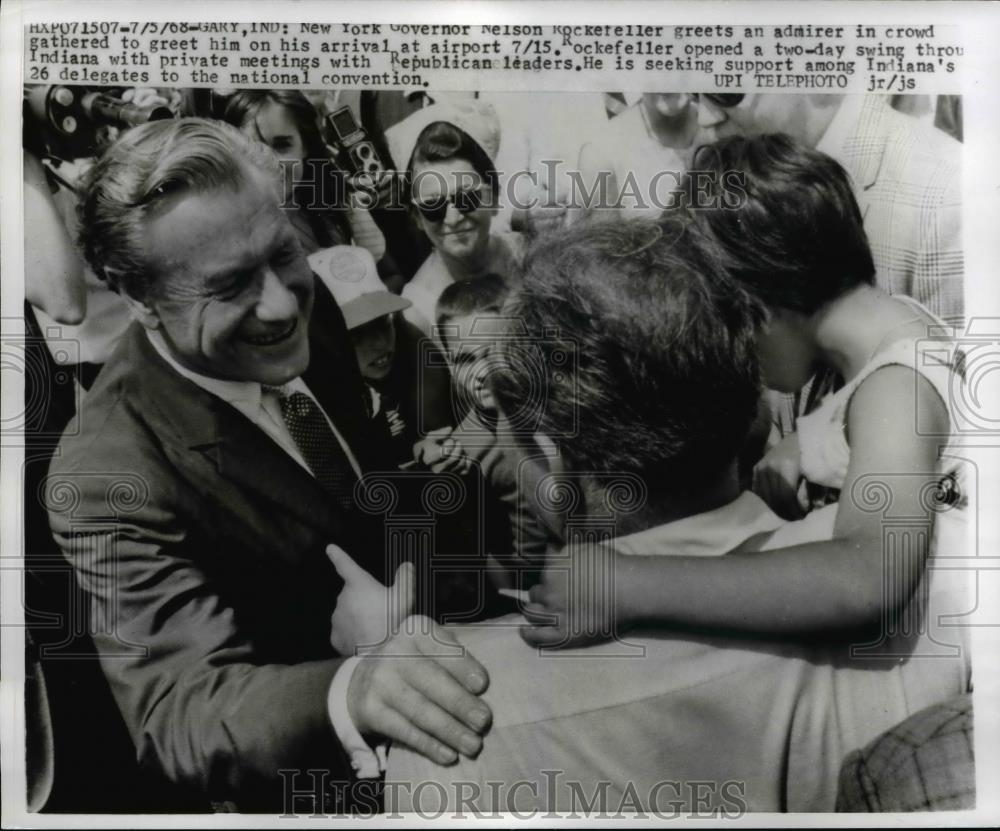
x=355 y=152
x=76 y=121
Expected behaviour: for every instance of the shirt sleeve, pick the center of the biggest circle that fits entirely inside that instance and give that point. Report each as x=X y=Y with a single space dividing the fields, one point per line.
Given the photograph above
x=368 y=763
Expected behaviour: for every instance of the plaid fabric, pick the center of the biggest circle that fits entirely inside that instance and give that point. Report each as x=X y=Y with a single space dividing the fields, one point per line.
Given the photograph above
x=908 y=182
x=923 y=764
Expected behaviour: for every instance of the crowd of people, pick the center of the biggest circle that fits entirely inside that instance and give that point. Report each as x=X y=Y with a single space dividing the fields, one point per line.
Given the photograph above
x=631 y=413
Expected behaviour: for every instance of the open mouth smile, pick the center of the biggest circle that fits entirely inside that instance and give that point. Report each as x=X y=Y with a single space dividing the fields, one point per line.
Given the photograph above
x=273 y=338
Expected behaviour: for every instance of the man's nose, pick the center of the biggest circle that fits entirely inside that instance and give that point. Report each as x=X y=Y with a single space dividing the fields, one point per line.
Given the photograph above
x=276 y=301
x=710 y=114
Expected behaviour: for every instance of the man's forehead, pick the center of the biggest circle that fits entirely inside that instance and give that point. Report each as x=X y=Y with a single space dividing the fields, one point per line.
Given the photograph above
x=211 y=229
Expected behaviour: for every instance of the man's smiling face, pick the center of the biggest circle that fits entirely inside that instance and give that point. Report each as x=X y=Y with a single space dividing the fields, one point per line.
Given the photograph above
x=234 y=292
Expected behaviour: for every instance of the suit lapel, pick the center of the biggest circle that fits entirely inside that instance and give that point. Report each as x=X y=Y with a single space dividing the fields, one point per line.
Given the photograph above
x=241 y=451
x=247 y=455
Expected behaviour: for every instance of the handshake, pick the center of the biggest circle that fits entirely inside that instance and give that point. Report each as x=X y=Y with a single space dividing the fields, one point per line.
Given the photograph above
x=415 y=684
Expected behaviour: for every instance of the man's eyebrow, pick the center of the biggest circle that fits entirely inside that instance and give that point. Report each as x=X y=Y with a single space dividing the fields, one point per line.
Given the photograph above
x=220 y=279
x=223 y=276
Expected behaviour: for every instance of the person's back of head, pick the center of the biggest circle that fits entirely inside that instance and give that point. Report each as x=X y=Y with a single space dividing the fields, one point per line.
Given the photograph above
x=785 y=218
x=631 y=350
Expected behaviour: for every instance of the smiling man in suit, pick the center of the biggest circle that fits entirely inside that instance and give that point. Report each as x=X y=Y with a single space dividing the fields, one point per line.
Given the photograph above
x=231 y=414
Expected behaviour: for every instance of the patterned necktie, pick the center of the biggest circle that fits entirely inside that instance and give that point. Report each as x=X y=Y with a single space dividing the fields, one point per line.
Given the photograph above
x=318 y=445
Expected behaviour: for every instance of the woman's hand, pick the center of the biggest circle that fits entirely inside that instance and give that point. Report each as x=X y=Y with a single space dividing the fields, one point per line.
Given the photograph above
x=580 y=599
x=777 y=476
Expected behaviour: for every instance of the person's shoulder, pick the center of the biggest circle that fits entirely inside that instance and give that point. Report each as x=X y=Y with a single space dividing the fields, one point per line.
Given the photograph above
x=429 y=272
x=914 y=150
x=115 y=427
x=109 y=460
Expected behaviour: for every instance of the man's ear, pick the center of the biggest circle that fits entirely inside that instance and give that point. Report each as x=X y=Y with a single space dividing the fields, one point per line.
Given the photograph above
x=140 y=310
x=550 y=449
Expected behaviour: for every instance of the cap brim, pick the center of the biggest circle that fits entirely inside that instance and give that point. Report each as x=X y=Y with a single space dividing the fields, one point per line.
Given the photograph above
x=367 y=307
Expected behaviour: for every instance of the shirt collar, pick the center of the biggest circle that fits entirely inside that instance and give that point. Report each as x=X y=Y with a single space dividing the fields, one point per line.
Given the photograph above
x=244 y=395
x=710 y=534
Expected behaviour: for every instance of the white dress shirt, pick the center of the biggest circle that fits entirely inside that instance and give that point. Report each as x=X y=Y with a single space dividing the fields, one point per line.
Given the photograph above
x=263 y=408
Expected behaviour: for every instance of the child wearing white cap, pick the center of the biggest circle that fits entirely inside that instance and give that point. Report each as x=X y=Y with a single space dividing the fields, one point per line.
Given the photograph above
x=406 y=392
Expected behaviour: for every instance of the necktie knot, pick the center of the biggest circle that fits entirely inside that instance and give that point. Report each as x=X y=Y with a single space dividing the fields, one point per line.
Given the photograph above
x=297 y=404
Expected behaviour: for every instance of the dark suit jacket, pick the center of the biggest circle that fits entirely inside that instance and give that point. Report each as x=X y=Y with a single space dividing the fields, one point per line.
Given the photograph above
x=199 y=544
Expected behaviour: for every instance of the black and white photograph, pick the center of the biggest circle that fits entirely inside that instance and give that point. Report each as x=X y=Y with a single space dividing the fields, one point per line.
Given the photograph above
x=383 y=442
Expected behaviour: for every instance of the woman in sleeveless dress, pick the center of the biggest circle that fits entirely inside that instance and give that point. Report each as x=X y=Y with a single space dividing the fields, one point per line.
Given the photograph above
x=790 y=234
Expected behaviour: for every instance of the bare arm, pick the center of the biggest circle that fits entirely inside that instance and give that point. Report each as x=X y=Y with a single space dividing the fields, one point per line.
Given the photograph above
x=53 y=271
x=836 y=585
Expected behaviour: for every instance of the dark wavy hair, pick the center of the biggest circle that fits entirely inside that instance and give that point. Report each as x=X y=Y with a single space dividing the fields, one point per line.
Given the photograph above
x=440 y=141
x=632 y=349
x=793 y=235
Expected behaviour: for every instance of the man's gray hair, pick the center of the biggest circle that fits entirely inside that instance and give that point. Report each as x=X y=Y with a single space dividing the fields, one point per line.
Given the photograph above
x=147 y=165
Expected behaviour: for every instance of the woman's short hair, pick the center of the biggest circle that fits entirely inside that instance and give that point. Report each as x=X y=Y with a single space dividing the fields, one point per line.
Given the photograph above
x=441 y=141
x=146 y=166
x=785 y=217
x=633 y=350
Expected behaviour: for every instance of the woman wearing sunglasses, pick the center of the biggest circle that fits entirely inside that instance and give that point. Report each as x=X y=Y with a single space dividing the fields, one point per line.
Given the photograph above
x=453 y=189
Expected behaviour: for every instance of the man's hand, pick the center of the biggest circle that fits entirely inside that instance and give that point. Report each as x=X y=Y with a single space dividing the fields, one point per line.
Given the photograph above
x=440 y=451
x=776 y=478
x=367 y=613
x=409 y=692
x=579 y=599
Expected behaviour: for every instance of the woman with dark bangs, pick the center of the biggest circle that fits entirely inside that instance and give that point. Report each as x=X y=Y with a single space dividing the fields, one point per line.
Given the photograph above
x=288 y=123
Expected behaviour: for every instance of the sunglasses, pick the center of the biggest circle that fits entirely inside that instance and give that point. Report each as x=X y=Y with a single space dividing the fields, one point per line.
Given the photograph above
x=723 y=100
x=465 y=201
